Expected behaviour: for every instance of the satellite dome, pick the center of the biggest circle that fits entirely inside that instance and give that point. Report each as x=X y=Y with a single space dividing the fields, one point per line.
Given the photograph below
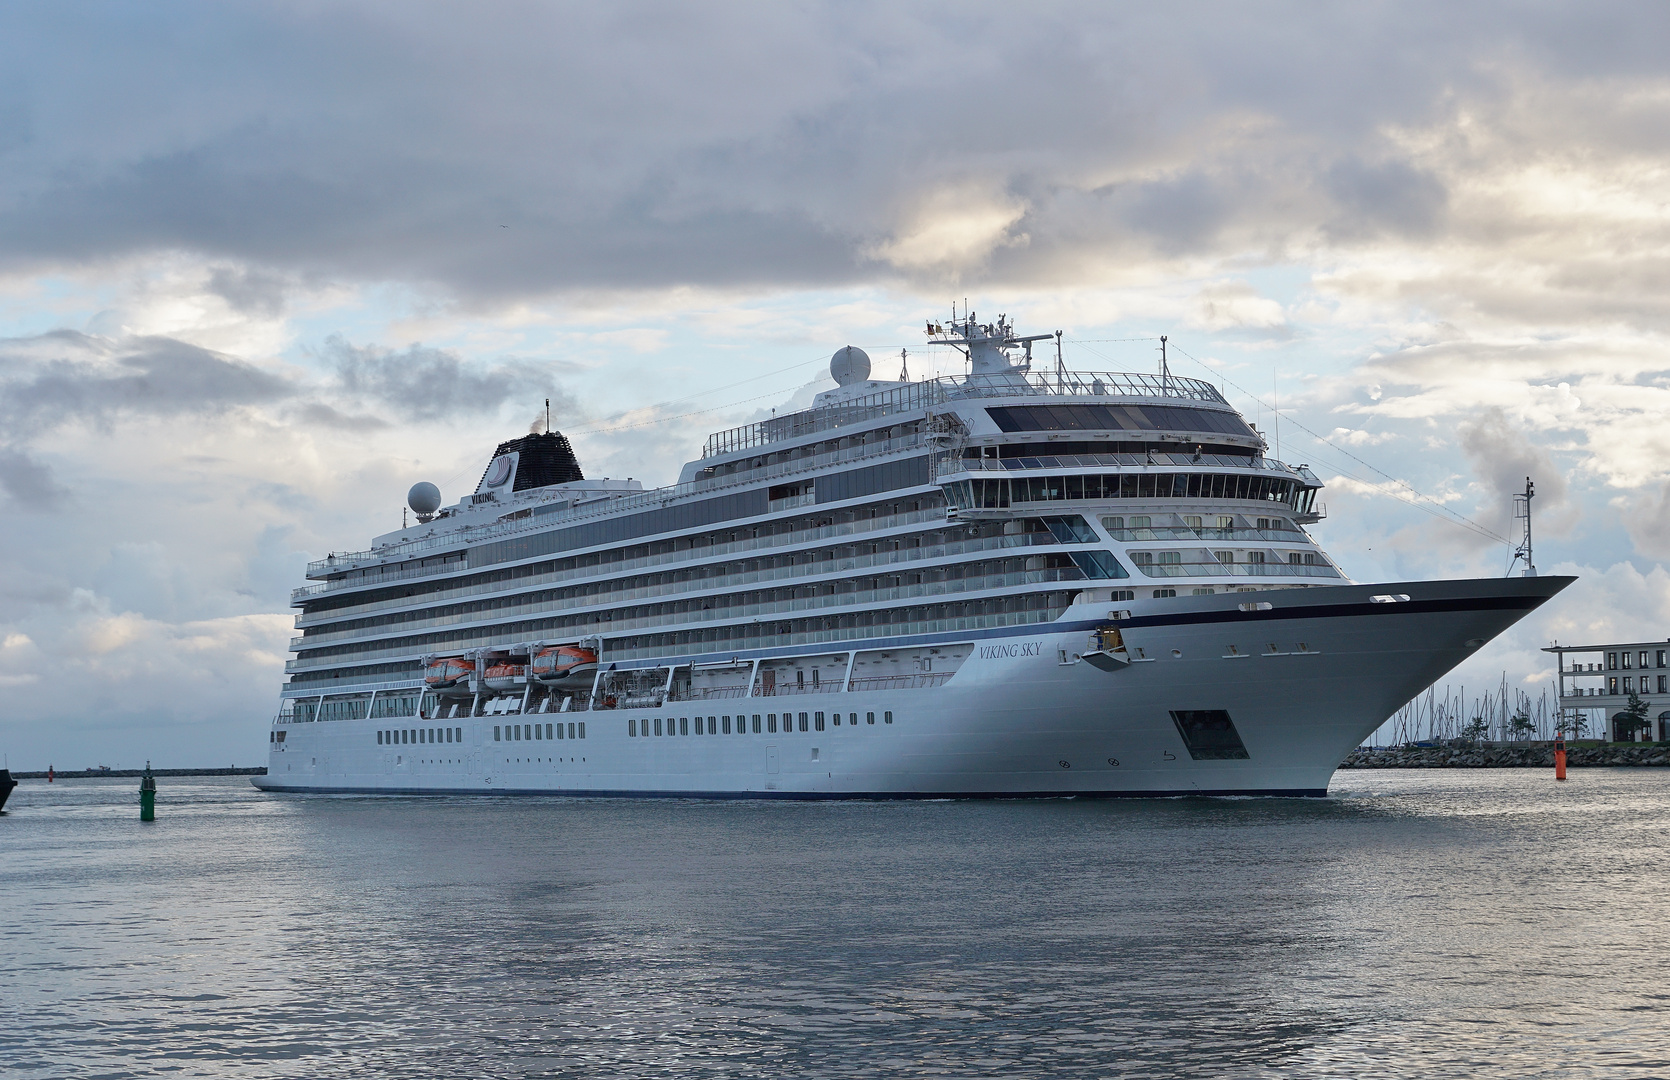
x=425 y=498
x=849 y=365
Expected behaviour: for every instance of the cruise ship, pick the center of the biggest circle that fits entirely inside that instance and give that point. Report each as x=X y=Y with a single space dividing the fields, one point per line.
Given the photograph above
x=1009 y=583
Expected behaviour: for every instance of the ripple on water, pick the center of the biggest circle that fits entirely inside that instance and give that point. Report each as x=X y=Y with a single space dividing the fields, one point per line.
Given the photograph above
x=1459 y=923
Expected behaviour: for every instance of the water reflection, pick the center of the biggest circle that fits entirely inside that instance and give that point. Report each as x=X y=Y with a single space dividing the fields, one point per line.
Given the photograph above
x=1431 y=923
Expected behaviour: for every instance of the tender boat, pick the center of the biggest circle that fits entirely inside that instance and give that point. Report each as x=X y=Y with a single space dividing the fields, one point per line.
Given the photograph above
x=565 y=665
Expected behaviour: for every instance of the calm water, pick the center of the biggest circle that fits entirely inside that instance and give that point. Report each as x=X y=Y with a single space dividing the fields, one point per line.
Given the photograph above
x=1480 y=923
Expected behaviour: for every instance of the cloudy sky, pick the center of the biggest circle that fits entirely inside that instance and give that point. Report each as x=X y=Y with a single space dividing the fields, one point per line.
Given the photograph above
x=263 y=267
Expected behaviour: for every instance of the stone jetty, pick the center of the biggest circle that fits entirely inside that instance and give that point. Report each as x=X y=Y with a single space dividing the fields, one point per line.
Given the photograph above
x=1538 y=755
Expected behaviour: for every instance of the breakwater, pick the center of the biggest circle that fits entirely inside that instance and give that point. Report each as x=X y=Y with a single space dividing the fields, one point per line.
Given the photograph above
x=82 y=774
x=1524 y=756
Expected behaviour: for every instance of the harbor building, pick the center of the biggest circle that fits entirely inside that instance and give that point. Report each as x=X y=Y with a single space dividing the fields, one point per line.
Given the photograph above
x=1596 y=681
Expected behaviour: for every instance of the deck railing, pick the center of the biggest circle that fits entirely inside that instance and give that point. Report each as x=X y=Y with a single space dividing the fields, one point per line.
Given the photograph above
x=913 y=396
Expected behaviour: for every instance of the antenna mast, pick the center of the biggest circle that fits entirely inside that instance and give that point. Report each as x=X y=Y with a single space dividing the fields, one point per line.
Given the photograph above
x=904 y=365
x=1522 y=512
x=547 y=416
x=1165 y=368
x=1060 y=366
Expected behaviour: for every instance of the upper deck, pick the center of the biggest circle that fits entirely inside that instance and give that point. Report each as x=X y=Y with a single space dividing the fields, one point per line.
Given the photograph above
x=1112 y=386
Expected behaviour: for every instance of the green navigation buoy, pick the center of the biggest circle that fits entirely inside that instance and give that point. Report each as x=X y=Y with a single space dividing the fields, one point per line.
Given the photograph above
x=147 y=795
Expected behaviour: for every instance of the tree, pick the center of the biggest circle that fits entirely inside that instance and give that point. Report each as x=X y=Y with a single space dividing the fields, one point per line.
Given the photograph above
x=1477 y=729
x=1522 y=725
x=1633 y=719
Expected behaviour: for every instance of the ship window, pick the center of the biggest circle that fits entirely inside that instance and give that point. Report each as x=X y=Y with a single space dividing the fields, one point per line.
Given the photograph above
x=802 y=721
x=869 y=718
x=756 y=723
x=536 y=732
x=1123 y=594
x=1170 y=558
x=582 y=727
x=1101 y=564
x=725 y=725
x=457 y=734
x=632 y=728
x=379 y=738
x=496 y=733
x=837 y=719
x=684 y=725
x=817 y=721
x=1070 y=529
x=771 y=723
x=559 y=731
x=1160 y=594
x=887 y=718
x=658 y=725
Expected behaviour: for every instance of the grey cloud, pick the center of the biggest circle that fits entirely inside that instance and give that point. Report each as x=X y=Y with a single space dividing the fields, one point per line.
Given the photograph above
x=252 y=292
x=68 y=376
x=1648 y=522
x=1390 y=194
x=430 y=144
x=1503 y=456
x=29 y=484
x=319 y=414
x=425 y=383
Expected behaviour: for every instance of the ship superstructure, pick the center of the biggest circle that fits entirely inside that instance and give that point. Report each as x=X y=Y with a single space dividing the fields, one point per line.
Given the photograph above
x=1005 y=583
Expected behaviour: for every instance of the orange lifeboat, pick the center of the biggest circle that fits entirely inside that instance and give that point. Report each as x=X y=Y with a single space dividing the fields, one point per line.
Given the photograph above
x=503 y=676
x=565 y=665
x=449 y=674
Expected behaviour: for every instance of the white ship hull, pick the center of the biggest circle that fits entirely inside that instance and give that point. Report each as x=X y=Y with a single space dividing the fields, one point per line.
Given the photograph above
x=1305 y=675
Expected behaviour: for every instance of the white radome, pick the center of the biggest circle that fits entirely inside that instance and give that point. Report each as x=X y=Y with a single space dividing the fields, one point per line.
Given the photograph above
x=424 y=498
x=849 y=365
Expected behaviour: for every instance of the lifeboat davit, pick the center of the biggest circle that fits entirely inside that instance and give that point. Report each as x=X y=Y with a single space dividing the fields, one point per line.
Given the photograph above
x=502 y=677
x=565 y=665
x=449 y=674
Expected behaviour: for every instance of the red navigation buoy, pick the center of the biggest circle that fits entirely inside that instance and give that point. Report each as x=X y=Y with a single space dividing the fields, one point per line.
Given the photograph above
x=1559 y=755
x=49 y=774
